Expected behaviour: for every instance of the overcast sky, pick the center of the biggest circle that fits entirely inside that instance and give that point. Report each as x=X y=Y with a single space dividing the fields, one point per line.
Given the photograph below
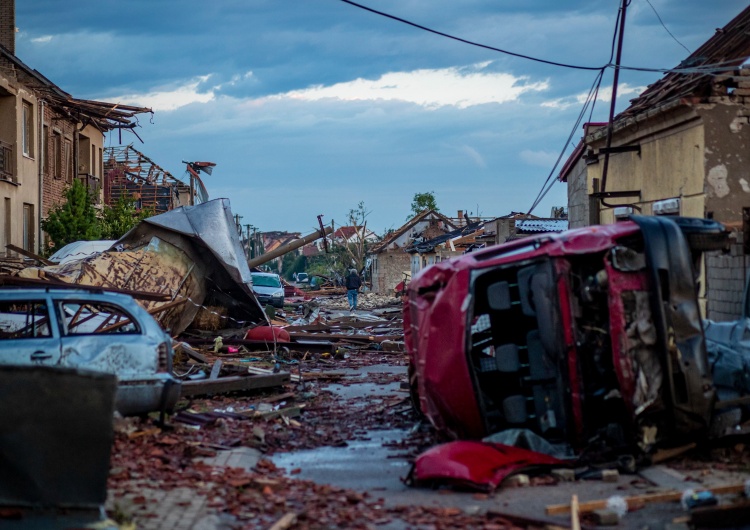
x=310 y=106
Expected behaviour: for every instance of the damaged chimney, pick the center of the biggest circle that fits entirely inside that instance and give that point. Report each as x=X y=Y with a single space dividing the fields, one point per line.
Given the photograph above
x=8 y=25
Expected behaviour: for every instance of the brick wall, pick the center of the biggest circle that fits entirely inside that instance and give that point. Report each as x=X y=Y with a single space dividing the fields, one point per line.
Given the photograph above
x=8 y=25
x=54 y=187
x=725 y=283
x=390 y=269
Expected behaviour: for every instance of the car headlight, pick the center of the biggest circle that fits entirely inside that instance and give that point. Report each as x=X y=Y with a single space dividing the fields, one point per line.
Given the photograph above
x=278 y=295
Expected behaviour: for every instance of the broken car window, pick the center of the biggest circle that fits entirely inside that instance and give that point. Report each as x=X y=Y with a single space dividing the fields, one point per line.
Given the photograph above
x=86 y=318
x=26 y=320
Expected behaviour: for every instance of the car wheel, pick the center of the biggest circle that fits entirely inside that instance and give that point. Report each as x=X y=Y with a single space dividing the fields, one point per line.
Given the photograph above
x=704 y=235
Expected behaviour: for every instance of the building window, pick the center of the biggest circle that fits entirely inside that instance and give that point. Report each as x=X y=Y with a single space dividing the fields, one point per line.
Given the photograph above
x=28 y=227
x=45 y=150
x=6 y=229
x=28 y=130
x=57 y=155
x=68 y=156
x=6 y=162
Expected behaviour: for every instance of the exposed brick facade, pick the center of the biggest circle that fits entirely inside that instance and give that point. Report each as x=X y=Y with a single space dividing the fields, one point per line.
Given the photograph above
x=8 y=25
x=389 y=269
x=54 y=185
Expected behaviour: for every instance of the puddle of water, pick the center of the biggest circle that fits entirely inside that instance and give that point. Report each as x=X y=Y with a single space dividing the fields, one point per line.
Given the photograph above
x=362 y=465
x=359 y=390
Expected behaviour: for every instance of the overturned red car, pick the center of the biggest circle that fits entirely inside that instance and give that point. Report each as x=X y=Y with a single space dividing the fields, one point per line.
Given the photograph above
x=590 y=335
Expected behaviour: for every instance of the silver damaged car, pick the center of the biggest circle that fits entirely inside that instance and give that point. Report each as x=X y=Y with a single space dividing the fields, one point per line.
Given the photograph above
x=92 y=330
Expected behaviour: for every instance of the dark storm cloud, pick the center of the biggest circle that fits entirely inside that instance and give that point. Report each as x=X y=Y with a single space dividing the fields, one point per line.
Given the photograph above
x=214 y=65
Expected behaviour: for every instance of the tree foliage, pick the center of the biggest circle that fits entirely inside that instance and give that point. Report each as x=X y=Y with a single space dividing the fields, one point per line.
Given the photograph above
x=123 y=215
x=343 y=255
x=424 y=201
x=357 y=248
x=74 y=220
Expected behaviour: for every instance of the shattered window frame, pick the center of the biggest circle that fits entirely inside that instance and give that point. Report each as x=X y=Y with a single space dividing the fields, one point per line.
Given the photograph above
x=36 y=324
x=93 y=317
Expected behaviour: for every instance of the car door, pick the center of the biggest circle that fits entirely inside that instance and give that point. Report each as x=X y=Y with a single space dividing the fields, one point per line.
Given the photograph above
x=28 y=334
x=102 y=336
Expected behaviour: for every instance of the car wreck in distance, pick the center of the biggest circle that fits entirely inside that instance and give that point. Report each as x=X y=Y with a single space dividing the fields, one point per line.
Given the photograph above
x=589 y=338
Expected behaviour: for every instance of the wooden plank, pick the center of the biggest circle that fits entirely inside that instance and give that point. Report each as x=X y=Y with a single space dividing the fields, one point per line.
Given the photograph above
x=215 y=369
x=575 y=521
x=637 y=501
x=54 y=284
x=233 y=384
x=29 y=254
x=190 y=352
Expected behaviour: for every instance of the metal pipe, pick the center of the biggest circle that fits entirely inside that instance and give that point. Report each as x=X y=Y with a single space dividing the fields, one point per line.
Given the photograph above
x=292 y=245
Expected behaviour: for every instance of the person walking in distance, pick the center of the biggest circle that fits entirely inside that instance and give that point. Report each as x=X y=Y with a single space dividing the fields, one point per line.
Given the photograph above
x=353 y=283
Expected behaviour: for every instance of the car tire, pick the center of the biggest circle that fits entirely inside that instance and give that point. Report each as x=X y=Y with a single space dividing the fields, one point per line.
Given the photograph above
x=704 y=235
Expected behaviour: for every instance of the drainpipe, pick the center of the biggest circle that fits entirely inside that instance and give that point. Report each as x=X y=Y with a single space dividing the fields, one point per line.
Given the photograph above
x=42 y=155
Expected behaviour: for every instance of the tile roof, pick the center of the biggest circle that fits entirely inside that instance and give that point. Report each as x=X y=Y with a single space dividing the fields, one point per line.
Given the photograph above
x=729 y=48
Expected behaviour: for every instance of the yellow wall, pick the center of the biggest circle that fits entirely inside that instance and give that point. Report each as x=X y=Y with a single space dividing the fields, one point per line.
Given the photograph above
x=670 y=164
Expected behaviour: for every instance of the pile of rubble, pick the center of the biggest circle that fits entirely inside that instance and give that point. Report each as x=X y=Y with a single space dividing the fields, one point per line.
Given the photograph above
x=366 y=301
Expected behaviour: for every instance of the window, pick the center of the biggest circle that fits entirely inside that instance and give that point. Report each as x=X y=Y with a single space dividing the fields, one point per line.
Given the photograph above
x=45 y=150
x=24 y=320
x=57 y=155
x=6 y=232
x=68 y=171
x=28 y=227
x=88 y=318
x=28 y=129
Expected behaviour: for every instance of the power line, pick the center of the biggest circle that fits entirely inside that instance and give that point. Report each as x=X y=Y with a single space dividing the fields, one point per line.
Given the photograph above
x=590 y=100
x=665 y=27
x=465 y=41
x=707 y=69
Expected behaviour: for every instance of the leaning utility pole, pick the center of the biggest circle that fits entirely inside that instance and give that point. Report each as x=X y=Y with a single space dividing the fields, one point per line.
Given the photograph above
x=292 y=245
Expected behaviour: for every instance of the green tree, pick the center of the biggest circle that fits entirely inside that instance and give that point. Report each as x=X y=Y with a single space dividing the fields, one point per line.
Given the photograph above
x=422 y=202
x=357 y=247
x=74 y=220
x=120 y=217
x=292 y=263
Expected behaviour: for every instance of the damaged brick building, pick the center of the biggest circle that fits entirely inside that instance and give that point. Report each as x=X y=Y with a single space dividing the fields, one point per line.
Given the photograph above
x=47 y=139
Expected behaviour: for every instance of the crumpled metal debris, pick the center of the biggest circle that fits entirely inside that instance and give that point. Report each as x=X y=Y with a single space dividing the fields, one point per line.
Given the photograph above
x=191 y=253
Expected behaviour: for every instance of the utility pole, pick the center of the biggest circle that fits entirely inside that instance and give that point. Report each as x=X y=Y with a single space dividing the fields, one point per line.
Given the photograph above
x=247 y=240
x=613 y=102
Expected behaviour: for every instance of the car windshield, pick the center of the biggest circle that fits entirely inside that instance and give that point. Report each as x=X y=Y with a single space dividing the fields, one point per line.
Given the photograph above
x=266 y=281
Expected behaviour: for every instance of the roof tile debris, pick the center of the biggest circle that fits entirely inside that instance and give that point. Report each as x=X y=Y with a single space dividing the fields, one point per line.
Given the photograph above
x=726 y=50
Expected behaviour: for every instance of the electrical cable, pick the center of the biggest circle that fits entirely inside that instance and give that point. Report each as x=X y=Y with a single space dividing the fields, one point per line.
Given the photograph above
x=465 y=41
x=665 y=27
x=590 y=100
x=707 y=69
